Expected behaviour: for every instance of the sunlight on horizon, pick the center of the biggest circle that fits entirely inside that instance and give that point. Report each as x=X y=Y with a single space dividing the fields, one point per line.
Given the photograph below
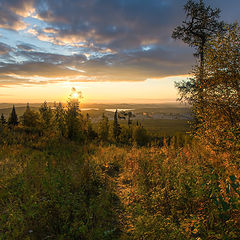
x=148 y=91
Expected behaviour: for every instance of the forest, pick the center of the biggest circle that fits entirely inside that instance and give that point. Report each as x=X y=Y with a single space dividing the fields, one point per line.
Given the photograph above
x=63 y=177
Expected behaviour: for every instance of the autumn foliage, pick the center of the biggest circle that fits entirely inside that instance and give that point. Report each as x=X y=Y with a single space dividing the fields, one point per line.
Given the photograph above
x=61 y=178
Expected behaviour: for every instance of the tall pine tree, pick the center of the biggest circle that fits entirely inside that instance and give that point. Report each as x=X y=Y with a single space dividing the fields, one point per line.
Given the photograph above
x=46 y=116
x=13 y=119
x=3 y=120
x=74 y=121
x=30 y=118
x=116 y=127
x=201 y=24
x=103 y=129
x=60 y=115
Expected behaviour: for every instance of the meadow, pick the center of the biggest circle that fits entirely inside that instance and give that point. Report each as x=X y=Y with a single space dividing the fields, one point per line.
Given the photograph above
x=145 y=172
x=60 y=190
x=165 y=127
x=56 y=186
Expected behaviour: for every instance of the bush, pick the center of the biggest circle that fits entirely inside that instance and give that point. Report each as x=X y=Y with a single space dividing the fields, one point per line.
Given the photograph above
x=140 y=136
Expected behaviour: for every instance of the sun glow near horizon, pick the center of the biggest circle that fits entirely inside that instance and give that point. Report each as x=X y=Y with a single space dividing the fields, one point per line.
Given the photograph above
x=148 y=91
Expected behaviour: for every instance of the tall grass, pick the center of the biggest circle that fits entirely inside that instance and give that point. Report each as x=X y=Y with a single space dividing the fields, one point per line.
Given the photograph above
x=55 y=193
x=169 y=193
x=52 y=189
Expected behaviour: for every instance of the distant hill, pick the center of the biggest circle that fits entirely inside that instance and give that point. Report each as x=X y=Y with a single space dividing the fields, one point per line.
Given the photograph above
x=19 y=110
x=96 y=109
x=9 y=105
x=133 y=106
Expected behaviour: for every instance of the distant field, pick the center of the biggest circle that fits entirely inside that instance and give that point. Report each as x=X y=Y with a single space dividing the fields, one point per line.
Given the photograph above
x=163 y=127
x=169 y=110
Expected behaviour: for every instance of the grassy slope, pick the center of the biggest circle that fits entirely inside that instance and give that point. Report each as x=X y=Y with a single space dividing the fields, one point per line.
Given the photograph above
x=51 y=191
x=60 y=190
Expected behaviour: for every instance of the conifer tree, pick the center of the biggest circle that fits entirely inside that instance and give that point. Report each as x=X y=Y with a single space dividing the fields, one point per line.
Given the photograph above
x=46 y=115
x=116 y=127
x=103 y=128
x=129 y=118
x=201 y=24
x=88 y=117
x=13 y=119
x=60 y=115
x=91 y=134
x=125 y=136
x=30 y=118
x=28 y=107
x=220 y=109
x=3 y=120
x=74 y=121
x=140 y=135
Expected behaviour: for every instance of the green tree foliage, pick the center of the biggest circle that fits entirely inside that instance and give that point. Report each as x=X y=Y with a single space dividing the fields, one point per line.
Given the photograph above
x=200 y=27
x=125 y=136
x=90 y=132
x=129 y=114
x=30 y=118
x=220 y=107
x=13 y=118
x=46 y=117
x=74 y=121
x=3 y=120
x=140 y=135
x=2 y=128
x=215 y=95
x=60 y=118
x=201 y=24
x=55 y=188
x=103 y=128
x=116 y=127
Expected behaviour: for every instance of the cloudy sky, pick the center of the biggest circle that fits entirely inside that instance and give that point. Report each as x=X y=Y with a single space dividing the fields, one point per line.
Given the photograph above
x=111 y=50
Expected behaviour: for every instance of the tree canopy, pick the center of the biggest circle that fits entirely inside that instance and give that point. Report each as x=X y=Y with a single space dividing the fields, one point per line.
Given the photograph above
x=200 y=25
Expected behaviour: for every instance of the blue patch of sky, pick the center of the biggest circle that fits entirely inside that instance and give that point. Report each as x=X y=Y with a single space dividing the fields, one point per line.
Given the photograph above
x=147 y=47
x=139 y=49
x=35 y=22
x=14 y=38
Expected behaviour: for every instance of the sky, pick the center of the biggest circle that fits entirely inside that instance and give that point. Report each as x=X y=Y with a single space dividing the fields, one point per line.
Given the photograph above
x=110 y=50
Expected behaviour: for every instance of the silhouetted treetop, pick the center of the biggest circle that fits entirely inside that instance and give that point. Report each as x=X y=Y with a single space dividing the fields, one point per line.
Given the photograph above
x=3 y=120
x=201 y=23
x=13 y=119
